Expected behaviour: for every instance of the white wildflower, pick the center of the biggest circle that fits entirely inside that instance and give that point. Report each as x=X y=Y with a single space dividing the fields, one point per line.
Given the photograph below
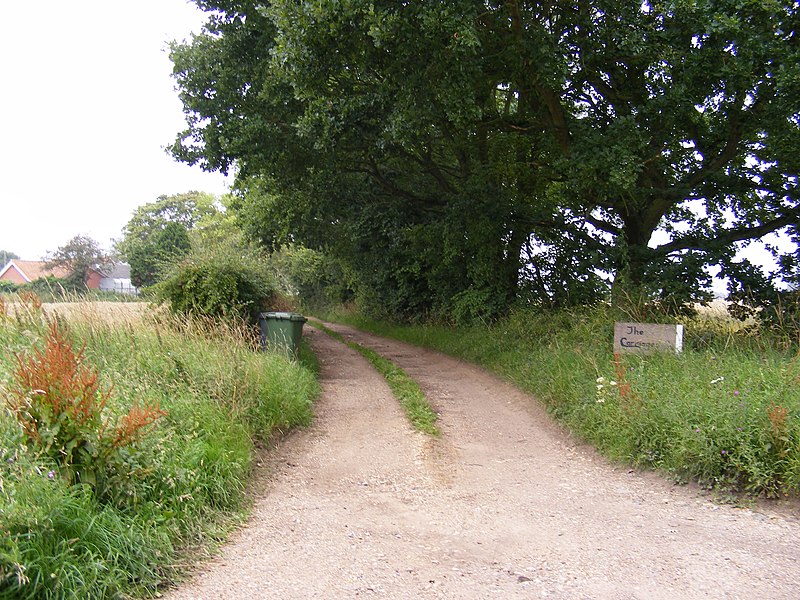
x=717 y=380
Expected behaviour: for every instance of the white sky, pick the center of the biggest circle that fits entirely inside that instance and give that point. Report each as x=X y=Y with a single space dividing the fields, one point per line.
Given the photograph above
x=87 y=104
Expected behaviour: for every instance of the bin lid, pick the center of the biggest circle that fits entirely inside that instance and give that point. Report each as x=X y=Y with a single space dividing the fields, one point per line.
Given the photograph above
x=283 y=316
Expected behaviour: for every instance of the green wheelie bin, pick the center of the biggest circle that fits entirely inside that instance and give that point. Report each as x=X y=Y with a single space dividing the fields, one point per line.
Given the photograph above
x=281 y=331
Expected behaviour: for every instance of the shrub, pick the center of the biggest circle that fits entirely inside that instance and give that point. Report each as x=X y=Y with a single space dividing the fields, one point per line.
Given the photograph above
x=474 y=306
x=311 y=276
x=48 y=288
x=216 y=285
x=8 y=287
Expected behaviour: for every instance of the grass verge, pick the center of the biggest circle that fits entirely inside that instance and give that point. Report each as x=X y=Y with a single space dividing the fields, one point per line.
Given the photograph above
x=725 y=413
x=163 y=490
x=404 y=388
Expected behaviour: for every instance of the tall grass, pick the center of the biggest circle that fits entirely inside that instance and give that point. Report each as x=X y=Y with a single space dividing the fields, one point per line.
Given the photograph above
x=170 y=493
x=725 y=413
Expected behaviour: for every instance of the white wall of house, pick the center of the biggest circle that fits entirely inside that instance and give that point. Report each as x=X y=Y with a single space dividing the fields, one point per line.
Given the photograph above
x=118 y=285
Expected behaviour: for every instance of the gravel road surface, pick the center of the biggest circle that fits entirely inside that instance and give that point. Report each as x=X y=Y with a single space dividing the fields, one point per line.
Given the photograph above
x=503 y=505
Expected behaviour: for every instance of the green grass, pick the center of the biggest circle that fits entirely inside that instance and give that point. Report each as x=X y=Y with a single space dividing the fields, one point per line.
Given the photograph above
x=404 y=388
x=725 y=413
x=168 y=498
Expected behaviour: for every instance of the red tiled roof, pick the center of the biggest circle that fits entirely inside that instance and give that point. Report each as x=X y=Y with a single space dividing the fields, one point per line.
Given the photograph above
x=32 y=270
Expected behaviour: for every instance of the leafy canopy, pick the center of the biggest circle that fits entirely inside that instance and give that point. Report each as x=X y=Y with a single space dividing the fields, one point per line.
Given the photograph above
x=458 y=154
x=79 y=256
x=157 y=235
x=6 y=256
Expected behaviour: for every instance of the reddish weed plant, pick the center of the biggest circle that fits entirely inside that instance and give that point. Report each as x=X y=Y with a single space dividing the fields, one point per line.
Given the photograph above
x=132 y=425
x=60 y=404
x=778 y=419
x=54 y=392
x=778 y=416
x=31 y=299
x=628 y=398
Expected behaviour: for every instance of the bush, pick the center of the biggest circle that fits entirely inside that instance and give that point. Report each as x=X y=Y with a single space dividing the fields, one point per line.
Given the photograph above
x=8 y=287
x=49 y=289
x=217 y=285
x=316 y=279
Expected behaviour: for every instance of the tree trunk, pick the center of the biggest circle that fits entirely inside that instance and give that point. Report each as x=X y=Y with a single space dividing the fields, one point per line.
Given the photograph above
x=628 y=290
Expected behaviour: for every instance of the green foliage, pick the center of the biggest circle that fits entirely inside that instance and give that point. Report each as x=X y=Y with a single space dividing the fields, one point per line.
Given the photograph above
x=169 y=493
x=425 y=145
x=186 y=210
x=6 y=256
x=217 y=284
x=731 y=423
x=156 y=236
x=58 y=543
x=165 y=247
x=53 y=289
x=725 y=413
x=312 y=277
x=471 y=306
x=50 y=289
x=60 y=405
x=7 y=287
x=78 y=257
x=218 y=227
x=559 y=272
x=324 y=200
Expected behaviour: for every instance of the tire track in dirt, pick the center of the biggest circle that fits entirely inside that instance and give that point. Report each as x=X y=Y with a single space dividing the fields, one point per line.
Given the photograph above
x=504 y=505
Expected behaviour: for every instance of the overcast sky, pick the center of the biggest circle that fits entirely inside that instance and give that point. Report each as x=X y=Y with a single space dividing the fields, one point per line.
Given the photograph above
x=87 y=105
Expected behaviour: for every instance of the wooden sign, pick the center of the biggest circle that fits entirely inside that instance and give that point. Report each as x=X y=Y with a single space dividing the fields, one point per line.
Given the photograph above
x=647 y=337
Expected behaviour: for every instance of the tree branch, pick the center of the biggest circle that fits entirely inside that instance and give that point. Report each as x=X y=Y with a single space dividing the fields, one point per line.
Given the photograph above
x=550 y=98
x=602 y=225
x=729 y=236
x=424 y=204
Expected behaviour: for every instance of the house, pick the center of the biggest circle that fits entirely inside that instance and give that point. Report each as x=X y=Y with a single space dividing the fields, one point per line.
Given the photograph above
x=25 y=271
x=115 y=277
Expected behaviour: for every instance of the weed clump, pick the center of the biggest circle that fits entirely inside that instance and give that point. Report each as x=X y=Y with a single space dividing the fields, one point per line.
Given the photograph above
x=60 y=405
x=126 y=446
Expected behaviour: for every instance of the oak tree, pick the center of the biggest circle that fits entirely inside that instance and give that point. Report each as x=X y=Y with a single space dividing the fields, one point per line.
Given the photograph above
x=441 y=146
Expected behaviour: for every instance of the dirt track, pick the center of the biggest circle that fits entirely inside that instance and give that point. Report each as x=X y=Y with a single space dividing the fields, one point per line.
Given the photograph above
x=504 y=505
